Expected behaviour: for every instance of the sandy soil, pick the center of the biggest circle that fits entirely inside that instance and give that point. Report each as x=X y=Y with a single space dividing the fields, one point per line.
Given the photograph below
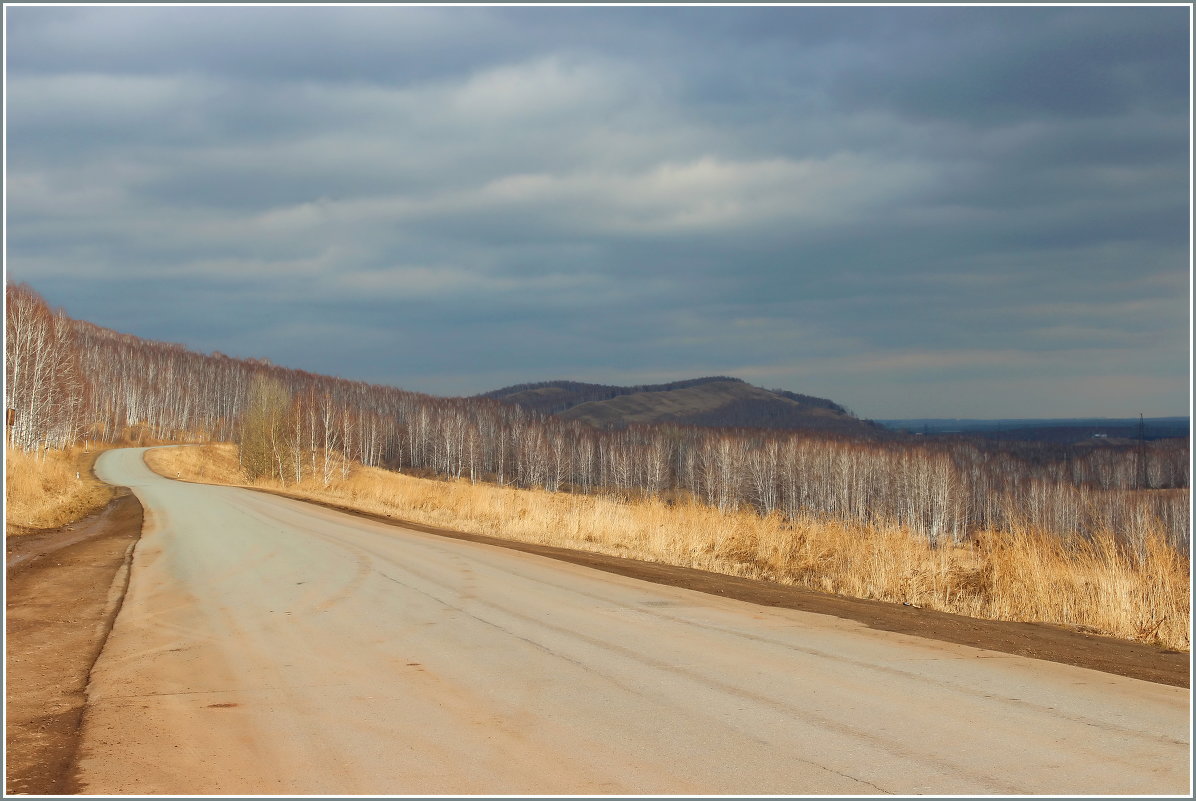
x=64 y=588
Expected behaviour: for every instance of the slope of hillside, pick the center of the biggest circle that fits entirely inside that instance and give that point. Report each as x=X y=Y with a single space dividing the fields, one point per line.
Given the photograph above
x=712 y=401
x=553 y=397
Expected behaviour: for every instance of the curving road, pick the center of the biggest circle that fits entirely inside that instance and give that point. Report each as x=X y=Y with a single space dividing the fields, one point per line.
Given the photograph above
x=270 y=646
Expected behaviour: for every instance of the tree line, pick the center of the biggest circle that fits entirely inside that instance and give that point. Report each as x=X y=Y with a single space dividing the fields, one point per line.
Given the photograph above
x=69 y=380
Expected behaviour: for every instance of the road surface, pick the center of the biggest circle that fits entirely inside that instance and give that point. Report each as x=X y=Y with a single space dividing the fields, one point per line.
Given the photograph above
x=270 y=646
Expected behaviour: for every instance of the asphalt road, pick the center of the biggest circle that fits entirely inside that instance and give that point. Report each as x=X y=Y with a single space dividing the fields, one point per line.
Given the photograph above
x=269 y=646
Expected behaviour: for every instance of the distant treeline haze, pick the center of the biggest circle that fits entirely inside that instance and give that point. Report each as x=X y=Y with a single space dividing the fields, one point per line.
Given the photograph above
x=69 y=380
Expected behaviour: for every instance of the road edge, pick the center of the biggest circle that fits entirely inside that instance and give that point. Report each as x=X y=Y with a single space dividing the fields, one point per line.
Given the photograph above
x=1043 y=641
x=112 y=606
x=77 y=635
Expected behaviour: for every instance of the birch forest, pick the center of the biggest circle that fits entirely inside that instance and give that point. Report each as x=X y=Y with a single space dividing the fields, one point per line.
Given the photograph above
x=69 y=381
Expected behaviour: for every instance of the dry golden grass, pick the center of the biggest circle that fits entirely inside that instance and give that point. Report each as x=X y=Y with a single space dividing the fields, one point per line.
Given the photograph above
x=1096 y=585
x=209 y=464
x=42 y=491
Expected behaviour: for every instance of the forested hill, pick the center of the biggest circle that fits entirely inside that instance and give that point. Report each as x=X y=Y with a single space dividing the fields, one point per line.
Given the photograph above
x=716 y=401
x=68 y=381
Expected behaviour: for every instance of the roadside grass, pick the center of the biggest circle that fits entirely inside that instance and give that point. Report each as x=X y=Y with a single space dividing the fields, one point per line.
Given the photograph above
x=41 y=491
x=1099 y=585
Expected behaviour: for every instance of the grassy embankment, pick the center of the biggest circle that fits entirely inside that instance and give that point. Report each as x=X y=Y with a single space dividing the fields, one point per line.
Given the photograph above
x=1021 y=575
x=48 y=490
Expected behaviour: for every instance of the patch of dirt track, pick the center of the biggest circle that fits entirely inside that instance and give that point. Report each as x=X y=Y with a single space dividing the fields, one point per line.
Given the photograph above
x=1035 y=640
x=64 y=590
x=32 y=544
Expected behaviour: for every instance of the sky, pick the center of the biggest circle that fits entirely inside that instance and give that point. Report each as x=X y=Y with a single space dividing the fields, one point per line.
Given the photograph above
x=914 y=211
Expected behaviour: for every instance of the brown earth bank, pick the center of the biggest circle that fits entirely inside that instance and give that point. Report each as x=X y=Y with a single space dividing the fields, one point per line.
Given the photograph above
x=64 y=589
x=1035 y=640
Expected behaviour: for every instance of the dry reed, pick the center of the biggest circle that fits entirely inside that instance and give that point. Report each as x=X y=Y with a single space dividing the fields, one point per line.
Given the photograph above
x=49 y=489
x=1098 y=585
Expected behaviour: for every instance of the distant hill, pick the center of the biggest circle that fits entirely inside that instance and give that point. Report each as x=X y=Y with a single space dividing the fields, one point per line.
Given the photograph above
x=712 y=401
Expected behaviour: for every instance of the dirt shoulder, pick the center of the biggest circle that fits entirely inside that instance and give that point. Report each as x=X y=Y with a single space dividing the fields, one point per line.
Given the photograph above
x=64 y=589
x=1035 y=640
x=53 y=492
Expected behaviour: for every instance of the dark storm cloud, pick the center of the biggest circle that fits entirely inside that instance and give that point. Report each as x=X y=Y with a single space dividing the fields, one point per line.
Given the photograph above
x=282 y=44
x=1036 y=63
x=915 y=211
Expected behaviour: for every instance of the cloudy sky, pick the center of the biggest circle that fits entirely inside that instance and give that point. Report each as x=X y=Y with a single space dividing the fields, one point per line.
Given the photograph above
x=957 y=212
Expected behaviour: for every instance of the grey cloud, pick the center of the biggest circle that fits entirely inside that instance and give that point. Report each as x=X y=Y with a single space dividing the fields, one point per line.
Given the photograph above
x=815 y=198
x=282 y=44
x=1002 y=65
